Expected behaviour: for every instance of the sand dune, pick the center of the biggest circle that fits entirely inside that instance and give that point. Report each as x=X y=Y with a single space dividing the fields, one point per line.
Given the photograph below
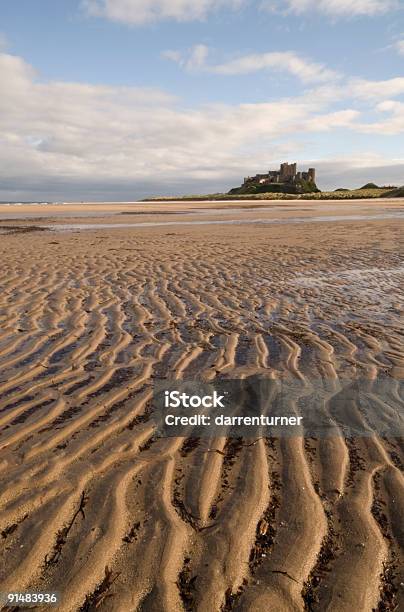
x=95 y=506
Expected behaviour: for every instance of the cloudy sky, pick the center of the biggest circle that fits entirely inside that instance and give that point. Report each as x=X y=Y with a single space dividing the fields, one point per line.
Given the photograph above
x=118 y=99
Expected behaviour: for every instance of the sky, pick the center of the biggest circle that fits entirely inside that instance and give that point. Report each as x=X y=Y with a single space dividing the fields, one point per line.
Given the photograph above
x=116 y=100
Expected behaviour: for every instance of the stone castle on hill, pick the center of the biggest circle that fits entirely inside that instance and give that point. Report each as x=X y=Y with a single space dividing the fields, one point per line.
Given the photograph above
x=287 y=173
x=284 y=180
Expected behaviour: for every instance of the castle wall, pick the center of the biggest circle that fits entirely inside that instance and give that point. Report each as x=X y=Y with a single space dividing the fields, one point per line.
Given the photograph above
x=287 y=173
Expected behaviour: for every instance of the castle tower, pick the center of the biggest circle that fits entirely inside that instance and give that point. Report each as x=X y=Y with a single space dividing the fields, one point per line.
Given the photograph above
x=282 y=172
x=287 y=172
x=312 y=174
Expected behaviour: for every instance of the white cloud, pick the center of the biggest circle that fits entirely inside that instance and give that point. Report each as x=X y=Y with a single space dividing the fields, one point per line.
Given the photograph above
x=334 y=8
x=330 y=121
x=399 y=46
x=357 y=90
x=394 y=124
x=198 y=57
x=362 y=88
x=286 y=61
x=195 y=59
x=281 y=61
x=138 y=12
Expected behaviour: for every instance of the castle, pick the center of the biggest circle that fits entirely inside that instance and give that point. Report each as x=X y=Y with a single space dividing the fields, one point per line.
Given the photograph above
x=286 y=174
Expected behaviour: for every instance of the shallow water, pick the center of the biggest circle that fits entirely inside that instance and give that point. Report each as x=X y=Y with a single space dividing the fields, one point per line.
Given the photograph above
x=377 y=291
x=19 y=216
x=290 y=220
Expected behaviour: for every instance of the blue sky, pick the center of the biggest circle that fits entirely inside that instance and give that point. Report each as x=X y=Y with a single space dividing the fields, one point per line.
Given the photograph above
x=118 y=99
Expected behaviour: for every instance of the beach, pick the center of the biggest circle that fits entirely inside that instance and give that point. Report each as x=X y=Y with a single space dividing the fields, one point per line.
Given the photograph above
x=101 y=301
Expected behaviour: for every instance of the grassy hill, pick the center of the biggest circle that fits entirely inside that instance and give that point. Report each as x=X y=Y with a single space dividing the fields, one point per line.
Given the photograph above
x=287 y=188
x=340 y=194
x=397 y=192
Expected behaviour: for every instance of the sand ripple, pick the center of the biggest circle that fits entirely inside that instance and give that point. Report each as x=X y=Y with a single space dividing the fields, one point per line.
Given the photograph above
x=95 y=506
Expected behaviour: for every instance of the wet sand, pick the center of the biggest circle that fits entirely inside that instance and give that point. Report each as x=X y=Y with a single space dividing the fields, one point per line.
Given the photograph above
x=96 y=507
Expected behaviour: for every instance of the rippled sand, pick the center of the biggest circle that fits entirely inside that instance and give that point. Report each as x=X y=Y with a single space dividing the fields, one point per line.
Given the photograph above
x=95 y=506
